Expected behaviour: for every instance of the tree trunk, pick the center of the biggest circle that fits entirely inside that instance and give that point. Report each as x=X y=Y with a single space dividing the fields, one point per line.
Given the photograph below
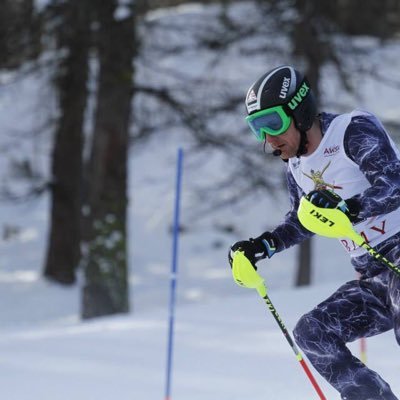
x=63 y=252
x=308 y=47
x=304 y=264
x=105 y=261
x=19 y=33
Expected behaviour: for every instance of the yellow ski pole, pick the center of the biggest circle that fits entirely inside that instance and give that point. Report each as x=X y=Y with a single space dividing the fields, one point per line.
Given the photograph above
x=245 y=274
x=331 y=222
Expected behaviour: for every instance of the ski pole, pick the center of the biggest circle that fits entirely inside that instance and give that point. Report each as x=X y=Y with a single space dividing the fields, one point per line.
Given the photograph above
x=293 y=346
x=331 y=222
x=245 y=275
x=377 y=255
x=363 y=350
x=363 y=341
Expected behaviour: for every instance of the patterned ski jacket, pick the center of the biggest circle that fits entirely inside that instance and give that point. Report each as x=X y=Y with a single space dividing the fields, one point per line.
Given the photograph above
x=356 y=158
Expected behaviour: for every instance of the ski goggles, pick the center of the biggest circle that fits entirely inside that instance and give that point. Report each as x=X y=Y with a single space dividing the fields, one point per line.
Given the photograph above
x=271 y=121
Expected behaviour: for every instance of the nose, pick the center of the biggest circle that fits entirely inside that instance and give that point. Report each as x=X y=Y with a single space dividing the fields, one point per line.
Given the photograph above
x=272 y=139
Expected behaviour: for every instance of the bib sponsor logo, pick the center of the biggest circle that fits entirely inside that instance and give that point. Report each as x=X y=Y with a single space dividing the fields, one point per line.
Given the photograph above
x=296 y=164
x=331 y=151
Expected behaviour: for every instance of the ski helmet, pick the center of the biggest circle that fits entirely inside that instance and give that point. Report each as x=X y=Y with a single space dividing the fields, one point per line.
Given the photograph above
x=284 y=86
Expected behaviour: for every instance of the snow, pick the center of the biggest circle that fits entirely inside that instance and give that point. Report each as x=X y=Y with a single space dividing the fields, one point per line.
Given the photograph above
x=227 y=344
x=40 y=5
x=123 y=10
x=225 y=349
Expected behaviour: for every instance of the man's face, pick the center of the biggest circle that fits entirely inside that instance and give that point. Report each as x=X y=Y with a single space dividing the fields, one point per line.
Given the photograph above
x=288 y=142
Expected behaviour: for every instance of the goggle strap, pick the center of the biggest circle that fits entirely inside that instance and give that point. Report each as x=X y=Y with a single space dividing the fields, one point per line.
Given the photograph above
x=287 y=110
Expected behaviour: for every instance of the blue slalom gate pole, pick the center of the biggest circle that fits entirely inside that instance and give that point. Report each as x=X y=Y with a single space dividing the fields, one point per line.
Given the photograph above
x=174 y=271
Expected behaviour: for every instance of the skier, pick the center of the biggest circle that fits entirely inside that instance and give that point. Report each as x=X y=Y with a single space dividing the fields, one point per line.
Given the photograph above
x=326 y=155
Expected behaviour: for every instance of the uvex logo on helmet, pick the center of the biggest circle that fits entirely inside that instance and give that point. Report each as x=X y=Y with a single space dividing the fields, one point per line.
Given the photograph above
x=284 y=88
x=299 y=96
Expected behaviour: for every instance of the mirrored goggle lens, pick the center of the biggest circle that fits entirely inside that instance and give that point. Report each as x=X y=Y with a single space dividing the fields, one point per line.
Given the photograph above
x=271 y=123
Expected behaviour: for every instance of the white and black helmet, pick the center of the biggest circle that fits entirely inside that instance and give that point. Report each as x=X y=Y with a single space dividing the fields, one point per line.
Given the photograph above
x=284 y=86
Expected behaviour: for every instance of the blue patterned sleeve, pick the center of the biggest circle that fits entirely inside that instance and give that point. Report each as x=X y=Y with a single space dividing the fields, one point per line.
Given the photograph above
x=369 y=146
x=290 y=231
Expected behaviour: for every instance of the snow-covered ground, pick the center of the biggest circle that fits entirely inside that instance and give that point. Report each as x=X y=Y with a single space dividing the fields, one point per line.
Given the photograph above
x=225 y=349
x=227 y=345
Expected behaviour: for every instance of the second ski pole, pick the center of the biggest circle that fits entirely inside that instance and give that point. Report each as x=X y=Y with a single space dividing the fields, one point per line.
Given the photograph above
x=245 y=275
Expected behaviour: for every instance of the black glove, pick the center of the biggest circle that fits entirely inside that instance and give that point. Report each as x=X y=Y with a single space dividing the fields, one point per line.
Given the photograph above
x=255 y=249
x=325 y=198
